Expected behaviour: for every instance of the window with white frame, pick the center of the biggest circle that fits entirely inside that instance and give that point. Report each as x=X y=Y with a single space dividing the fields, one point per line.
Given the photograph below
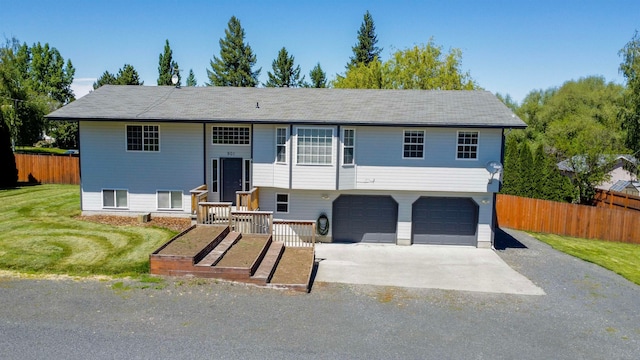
x=231 y=135
x=281 y=145
x=467 y=145
x=143 y=138
x=282 y=203
x=413 y=144
x=169 y=200
x=214 y=175
x=112 y=198
x=348 y=146
x=315 y=146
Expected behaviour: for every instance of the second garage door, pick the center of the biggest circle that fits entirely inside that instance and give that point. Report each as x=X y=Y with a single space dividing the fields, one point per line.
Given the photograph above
x=365 y=218
x=444 y=220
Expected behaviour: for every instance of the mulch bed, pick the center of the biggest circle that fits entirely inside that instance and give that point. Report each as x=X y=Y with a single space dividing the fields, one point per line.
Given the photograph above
x=192 y=242
x=172 y=223
x=294 y=266
x=243 y=253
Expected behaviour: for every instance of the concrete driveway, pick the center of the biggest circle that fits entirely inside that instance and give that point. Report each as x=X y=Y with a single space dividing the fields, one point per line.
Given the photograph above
x=421 y=266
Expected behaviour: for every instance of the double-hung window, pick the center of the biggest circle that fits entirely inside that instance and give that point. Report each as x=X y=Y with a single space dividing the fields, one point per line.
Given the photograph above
x=413 y=144
x=112 y=198
x=348 y=146
x=282 y=203
x=143 y=138
x=467 y=145
x=315 y=146
x=169 y=200
x=281 y=145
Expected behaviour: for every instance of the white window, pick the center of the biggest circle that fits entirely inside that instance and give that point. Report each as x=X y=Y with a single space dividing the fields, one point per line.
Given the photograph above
x=315 y=146
x=281 y=145
x=143 y=138
x=214 y=175
x=467 y=145
x=413 y=144
x=282 y=203
x=348 y=146
x=170 y=200
x=115 y=198
x=231 y=135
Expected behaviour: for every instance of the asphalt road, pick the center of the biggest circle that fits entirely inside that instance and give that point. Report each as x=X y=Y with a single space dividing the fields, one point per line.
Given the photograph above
x=588 y=313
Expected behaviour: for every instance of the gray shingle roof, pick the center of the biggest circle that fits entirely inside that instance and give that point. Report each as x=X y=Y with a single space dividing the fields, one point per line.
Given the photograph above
x=299 y=105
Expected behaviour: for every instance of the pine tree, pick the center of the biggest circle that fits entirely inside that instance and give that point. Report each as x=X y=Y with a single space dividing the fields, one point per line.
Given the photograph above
x=318 y=77
x=284 y=73
x=539 y=174
x=167 y=67
x=511 y=174
x=128 y=76
x=365 y=51
x=527 y=172
x=191 y=79
x=234 y=67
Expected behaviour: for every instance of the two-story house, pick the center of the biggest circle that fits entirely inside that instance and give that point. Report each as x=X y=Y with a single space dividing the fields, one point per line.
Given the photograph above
x=397 y=166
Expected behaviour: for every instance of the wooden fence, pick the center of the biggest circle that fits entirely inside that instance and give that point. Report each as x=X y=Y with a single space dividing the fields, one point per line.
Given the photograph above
x=568 y=219
x=48 y=169
x=617 y=200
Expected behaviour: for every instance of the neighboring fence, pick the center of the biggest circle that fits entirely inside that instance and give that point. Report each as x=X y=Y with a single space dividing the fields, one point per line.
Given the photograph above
x=48 y=169
x=617 y=200
x=568 y=219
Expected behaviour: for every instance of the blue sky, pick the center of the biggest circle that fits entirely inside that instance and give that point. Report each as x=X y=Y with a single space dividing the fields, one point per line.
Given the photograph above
x=511 y=47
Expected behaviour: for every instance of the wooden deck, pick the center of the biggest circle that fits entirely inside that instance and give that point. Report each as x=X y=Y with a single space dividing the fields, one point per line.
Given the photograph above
x=213 y=251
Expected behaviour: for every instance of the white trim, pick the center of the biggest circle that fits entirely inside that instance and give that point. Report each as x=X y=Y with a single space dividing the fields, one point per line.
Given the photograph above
x=342 y=137
x=230 y=126
x=286 y=144
x=477 y=145
x=424 y=143
x=288 y=203
x=170 y=195
x=126 y=138
x=115 y=199
x=333 y=136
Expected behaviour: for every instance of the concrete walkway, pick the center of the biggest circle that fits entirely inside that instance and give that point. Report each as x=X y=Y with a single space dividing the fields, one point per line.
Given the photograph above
x=421 y=266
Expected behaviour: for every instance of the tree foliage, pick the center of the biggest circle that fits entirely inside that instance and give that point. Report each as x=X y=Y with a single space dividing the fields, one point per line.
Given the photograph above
x=365 y=50
x=318 y=77
x=424 y=67
x=630 y=113
x=234 y=67
x=167 y=67
x=127 y=75
x=191 y=79
x=285 y=73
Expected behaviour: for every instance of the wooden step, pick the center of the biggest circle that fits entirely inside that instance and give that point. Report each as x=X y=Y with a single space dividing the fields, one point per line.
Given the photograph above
x=218 y=252
x=269 y=262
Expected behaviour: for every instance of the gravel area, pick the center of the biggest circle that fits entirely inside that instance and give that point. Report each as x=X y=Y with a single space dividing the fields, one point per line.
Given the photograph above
x=589 y=313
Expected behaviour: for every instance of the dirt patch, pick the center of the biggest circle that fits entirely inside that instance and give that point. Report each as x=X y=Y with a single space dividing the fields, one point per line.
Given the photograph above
x=243 y=253
x=294 y=266
x=193 y=241
x=172 y=223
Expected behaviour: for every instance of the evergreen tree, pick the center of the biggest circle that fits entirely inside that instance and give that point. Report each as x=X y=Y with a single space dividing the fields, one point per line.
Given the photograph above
x=235 y=65
x=511 y=172
x=365 y=51
x=167 y=67
x=527 y=171
x=9 y=170
x=128 y=76
x=191 y=79
x=106 y=78
x=284 y=73
x=630 y=113
x=318 y=77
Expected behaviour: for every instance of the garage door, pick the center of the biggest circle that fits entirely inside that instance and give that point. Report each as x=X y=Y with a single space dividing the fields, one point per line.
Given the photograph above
x=440 y=220
x=365 y=218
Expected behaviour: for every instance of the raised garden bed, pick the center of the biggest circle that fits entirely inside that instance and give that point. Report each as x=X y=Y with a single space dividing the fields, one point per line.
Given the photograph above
x=244 y=253
x=294 y=267
x=192 y=242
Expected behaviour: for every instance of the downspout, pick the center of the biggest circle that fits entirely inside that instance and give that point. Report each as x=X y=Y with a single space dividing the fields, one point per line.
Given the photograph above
x=338 y=147
x=204 y=153
x=291 y=156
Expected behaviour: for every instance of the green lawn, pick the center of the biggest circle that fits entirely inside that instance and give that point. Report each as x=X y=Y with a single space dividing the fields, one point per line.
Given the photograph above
x=39 y=150
x=39 y=234
x=621 y=258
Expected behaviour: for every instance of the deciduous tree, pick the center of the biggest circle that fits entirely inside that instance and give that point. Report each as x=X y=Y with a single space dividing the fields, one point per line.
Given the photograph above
x=235 y=65
x=285 y=73
x=630 y=113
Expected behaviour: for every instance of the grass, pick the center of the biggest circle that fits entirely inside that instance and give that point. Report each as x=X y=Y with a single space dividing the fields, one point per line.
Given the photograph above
x=39 y=150
x=39 y=234
x=621 y=258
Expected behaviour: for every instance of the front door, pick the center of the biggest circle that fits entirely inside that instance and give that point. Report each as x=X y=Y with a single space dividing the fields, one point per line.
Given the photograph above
x=231 y=178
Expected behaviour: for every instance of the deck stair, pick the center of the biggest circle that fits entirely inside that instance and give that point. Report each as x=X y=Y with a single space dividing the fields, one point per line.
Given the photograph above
x=211 y=251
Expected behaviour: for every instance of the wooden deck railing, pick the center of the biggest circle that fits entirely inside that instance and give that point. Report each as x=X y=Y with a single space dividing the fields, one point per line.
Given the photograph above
x=617 y=200
x=247 y=200
x=252 y=222
x=295 y=233
x=198 y=195
x=214 y=213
